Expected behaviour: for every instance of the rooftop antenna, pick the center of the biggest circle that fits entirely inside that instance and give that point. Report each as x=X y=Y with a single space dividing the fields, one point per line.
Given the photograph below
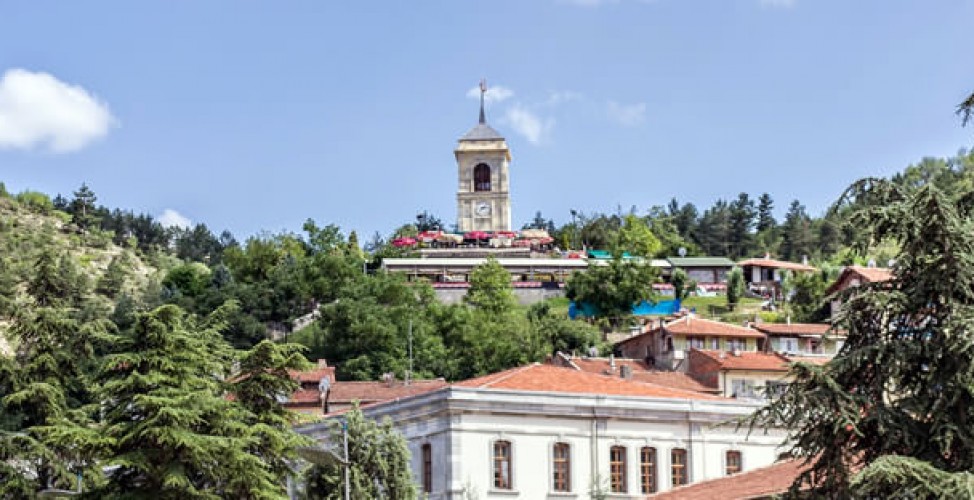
x=483 y=90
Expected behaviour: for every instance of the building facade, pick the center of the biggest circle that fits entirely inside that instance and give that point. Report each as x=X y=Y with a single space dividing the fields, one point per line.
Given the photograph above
x=548 y=432
x=483 y=190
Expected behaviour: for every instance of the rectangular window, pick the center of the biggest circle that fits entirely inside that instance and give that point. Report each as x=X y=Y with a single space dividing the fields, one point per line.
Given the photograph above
x=502 y=465
x=427 y=468
x=774 y=390
x=678 y=464
x=617 y=469
x=647 y=469
x=736 y=345
x=695 y=343
x=715 y=343
x=732 y=463
x=562 y=469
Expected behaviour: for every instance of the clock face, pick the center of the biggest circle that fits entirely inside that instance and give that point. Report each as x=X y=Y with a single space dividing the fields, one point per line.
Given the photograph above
x=483 y=209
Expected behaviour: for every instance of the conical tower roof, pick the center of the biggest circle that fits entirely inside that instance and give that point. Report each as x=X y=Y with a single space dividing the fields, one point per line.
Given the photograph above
x=482 y=131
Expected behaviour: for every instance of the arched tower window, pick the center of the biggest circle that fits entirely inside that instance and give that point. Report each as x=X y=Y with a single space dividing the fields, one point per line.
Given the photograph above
x=481 y=177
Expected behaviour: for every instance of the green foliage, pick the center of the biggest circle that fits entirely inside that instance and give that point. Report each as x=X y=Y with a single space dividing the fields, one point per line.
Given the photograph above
x=35 y=201
x=83 y=208
x=45 y=412
x=110 y=283
x=490 y=288
x=682 y=284
x=262 y=381
x=636 y=237
x=379 y=463
x=735 y=287
x=897 y=398
x=613 y=288
x=807 y=300
x=170 y=431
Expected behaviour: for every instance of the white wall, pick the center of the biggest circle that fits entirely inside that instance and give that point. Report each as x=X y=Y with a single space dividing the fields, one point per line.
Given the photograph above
x=462 y=440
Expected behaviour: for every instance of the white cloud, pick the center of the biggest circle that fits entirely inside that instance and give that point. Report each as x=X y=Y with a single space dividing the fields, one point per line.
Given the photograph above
x=39 y=111
x=496 y=93
x=525 y=122
x=172 y=218
x=779 y=4
x=562 y=96
x=626 y=114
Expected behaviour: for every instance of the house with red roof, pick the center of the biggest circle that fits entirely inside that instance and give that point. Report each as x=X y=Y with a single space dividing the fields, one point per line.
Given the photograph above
x=853 y=276
x=321 y=394
x=807 y=340
x=764 y=275
x=764 y=483
x=740 y=374
x=665 y=346
x=544 y=431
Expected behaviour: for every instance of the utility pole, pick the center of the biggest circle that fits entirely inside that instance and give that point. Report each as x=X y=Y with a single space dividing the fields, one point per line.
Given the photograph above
x=348 y=465
x=409 y=374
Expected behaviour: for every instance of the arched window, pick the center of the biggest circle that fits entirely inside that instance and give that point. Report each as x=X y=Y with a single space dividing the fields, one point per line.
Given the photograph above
x=647 y=469
x=617 y=469
x=678 y=466
x=562 y=467
x=481 y=177
x=427 y=468
x=502 y=465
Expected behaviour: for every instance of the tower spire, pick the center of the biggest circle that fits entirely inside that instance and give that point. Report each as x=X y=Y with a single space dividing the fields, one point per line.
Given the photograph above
x=483 y=90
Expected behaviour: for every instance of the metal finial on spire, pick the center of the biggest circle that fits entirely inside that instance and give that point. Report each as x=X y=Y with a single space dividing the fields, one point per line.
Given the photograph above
x=483 y=90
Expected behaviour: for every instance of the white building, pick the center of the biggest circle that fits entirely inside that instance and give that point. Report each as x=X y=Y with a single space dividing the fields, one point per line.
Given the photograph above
x=542 y=431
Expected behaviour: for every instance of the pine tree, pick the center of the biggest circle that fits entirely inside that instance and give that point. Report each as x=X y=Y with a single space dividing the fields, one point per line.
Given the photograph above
x=797 y=237
x=735 y=287
x=259 y=386
x=46 y=405
x=171 y=431
x=83 y=208
x=741 y=215
x=897 y=401
x=765 y=213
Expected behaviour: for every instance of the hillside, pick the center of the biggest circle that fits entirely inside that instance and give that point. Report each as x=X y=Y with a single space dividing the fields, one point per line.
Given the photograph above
x=29 y=227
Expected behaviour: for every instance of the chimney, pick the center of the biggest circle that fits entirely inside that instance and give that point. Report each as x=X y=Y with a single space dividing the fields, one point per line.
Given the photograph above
x=626 y=372
x=322 y=363
x=612 y=361
x=389 y=378
x=804 y=260
x=788 y=319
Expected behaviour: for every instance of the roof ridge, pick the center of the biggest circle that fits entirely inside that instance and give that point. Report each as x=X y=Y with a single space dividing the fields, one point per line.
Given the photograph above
x=511 y=373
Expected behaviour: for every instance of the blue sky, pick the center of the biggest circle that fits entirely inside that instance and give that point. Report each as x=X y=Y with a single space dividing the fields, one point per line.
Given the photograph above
x=255 y=116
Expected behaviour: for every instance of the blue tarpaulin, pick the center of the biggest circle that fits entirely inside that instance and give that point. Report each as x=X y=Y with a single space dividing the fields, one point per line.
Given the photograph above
x=644 y=308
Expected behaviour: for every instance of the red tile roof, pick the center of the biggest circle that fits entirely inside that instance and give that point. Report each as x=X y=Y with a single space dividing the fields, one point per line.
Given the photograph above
x=547 y=378
x=641 y=372
x=757 y=483
x=865 y=275
x=872 y=274
x=793 y=328
x=305 y=396
x=691 y=325
x=776 y=264
x=369 y=392
x=320 y=371
x=746 y=360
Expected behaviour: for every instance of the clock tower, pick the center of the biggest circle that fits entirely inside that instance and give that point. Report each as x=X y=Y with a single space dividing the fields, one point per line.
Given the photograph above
x=483 y=195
